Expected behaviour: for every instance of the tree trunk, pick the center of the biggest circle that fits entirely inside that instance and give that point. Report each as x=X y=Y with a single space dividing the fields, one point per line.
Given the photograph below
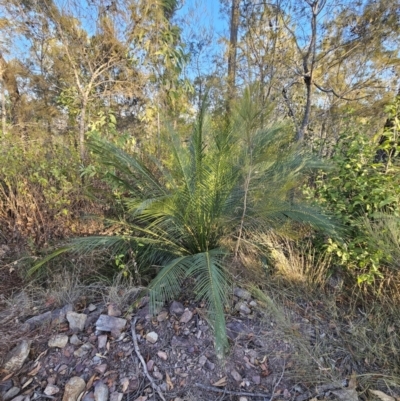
x=3 y=109
x=232 y=52
x=82 y=128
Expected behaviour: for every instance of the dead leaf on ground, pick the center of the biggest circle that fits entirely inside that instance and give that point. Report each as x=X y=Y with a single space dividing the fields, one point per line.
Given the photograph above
x=141 y=398
x=124 y=384
x=27 y=383
x=90 y=382
x=382 y=395
x=34 y=371
x=4 y=379
x=353 y=380
x=169 y=382
x=348 y=394
x=220 y=382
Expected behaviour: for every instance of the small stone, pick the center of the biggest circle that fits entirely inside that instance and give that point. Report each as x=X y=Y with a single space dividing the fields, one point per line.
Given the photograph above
x=51 y=389
x=243 y=399
x=92 y=307
x=176 y=308
x=75 y=340
x=101 y=368
x=59 y=341
x=162 y=355
x=162 y=316
x=102 y=341
x=236 y=375
x=116 y=396
x=110 y=323
x=20 y=398
x=58 y=316
x=243 y=294
x=82 y=351
x=62 y=370
x=113 y=310
x=150 y=365
x=256 y=380
x=17 y=356
x=76 y=320
x=243 y=308
x=152 y=337
x=186 y=317
x=100 y=391
x=37 y=321
x=235 y=328
x=158 y=375
x=253 y=304
x=88 y=397
x=202 y=360
x=209 y=365
x=73 y=388
x=11 y=393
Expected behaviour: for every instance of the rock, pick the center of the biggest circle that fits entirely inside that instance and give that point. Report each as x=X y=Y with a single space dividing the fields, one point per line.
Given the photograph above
x=102 y=341
x=202 y=360
x=75 y=340
x=19 y=398
x=243 y=399
x=11 y=393
x=73 y=388
x=152 y=337
x=51 y=389
x=17 y=356
x=5 y=386
x=82 y=351
x=158 y=375
x=236 y=375
x=113 y=310
x=243 y=294
x=59 y=341
x=37 y=321
x=176 y=308
x=58 y=316
x=116 y=396
x=63 y=369
x=101 y=368
x=92 y=307
x=162 y=316
x=256 y=380
x=209 y=365
x=88 y=397
x=110 y=323
x=186 y=317
x=253 y=304
x=150 y=365
x=243 y=308
x=178 y=341
x=76 y=320
x=235 y=328
x=162 y=355
x=100 y=391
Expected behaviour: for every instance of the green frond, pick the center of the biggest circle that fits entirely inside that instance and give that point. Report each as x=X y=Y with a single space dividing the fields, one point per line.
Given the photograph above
x=168 y=282
x=43 y=261
x=212 y=287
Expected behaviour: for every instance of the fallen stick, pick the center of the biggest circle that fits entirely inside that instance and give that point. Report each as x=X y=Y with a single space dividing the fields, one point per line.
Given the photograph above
x=238 y=393
x=139 y=355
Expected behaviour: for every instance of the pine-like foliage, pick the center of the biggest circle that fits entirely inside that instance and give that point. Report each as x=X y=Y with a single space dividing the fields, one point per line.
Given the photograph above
x=217 y=184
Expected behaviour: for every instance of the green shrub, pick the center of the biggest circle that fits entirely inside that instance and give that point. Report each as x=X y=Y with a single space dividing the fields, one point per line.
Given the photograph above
x=356 y=190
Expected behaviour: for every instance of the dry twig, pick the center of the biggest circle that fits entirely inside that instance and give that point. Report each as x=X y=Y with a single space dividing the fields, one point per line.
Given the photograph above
x=139 y=355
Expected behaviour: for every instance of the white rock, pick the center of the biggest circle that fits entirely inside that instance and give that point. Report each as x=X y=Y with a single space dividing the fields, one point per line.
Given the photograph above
x=17 y=356
x=116 y=396
x=82 y=351
x=76 y=320
x=243 y=294
x=59 y=341
x=92 y=307
x=51 y=389
x=162 y=355
x=152 y=337
x=110 y=323
x=74 y=387
x=102 y=341
x=186 y=317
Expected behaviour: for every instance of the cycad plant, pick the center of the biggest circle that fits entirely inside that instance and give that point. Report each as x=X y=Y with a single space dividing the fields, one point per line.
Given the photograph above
x=217 y=184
